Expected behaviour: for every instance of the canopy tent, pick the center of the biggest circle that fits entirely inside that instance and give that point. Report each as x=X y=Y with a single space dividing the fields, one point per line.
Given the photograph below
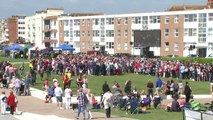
x=26 y=47
x=65 y=47
x=14 y=47
x=37 y=48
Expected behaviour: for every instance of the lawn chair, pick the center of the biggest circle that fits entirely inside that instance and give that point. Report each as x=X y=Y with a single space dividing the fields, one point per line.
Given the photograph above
x=132 y=106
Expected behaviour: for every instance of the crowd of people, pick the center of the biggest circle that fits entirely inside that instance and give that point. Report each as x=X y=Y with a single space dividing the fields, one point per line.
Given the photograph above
x=129 y=98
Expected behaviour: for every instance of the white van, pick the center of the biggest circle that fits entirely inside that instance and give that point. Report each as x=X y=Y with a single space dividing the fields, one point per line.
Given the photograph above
x=210 y=55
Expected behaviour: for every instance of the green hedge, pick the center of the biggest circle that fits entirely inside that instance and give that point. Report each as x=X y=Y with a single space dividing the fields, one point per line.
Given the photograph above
x=190 y=60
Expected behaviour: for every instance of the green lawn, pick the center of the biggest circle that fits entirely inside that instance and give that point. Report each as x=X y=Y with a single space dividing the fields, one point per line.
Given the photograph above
x=138 y=80
x=158 y=114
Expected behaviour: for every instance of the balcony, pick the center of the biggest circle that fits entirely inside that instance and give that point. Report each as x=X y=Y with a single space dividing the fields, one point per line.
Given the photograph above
x=47 y=28
x=49 y=39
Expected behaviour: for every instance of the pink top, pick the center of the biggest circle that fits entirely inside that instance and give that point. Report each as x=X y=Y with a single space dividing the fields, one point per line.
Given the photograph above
x=181 y=102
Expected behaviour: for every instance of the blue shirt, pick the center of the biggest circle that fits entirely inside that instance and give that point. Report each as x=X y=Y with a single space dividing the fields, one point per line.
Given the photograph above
x=158 y=83
x=50 y=91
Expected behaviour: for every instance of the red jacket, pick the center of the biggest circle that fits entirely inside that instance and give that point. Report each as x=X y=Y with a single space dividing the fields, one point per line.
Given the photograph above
x=11 y=100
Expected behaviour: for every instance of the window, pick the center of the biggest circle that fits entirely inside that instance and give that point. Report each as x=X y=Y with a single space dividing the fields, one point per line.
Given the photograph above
x=88 y=33
x=66 y=33
x=144 y=20
x=76 y=33
x=96 y=21
x=176 y=47
x=176 y=18
x=136 y=20
x=77 y=22
x=166 y=32
x=95 y=33
x=118 y=21
x=66 y=22
x=210 y=46
x=110 y=45
x=110 y=21
x=176 y=33
x=125 y=46
x=190 y=32
x=210 y=16
x=118 y=45
x=210 y=32
x=125 y=20
x=154 y=19
x=166 y=20
x=54 y=22
x=190 y=18
x=166 y=46
x=110 y=33
x=83 y=22
x=125 y=33
x=83 y=33
x=119 y=33
x=88 y=22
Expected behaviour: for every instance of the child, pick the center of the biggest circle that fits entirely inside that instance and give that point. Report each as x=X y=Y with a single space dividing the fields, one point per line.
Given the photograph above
x=180 y=84
x=3 y=99
x=46 y=85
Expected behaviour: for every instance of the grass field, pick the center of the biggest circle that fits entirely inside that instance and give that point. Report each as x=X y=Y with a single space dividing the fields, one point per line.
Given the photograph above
x=138 y=80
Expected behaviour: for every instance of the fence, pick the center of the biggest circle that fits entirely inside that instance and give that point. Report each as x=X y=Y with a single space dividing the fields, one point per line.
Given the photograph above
x=196 y=115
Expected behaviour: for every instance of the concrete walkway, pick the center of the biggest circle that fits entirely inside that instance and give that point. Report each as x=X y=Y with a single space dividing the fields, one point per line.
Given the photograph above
x=34 y=108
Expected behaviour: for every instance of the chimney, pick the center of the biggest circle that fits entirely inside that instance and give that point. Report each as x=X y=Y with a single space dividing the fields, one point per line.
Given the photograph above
x=210 y=3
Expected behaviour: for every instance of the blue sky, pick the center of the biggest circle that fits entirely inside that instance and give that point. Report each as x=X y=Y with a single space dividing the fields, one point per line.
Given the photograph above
x=28 y=7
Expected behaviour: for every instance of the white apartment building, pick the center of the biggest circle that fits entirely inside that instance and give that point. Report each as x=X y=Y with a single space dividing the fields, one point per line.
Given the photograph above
x=180 y=26
x=35 y=26
x=21 y=27
x=3 y=30
x=179 y=30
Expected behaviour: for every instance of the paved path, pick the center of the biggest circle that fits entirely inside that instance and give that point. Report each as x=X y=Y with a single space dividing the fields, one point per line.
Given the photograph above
x=35 y=109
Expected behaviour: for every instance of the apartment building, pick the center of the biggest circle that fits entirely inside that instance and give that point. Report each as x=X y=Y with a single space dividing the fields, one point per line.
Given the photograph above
x=3 y=30
x=180 y=26
x=115 y=33
x=16 y=28
x=42 y=28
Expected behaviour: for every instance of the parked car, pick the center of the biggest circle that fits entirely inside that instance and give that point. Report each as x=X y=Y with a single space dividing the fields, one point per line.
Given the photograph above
x=172 y=56
x=210 y=55
x=193 y=56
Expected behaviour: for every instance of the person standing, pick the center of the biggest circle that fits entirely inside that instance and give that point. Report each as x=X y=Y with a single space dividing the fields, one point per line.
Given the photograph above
x=107 y=100
x=22 y=68
x=159 y=84
x=150 y=86
x=3 y=98
x=81 y=103
x=17 y=83
x=58 y=93
x=68 y=95
x=11 y=102
x=187 y=92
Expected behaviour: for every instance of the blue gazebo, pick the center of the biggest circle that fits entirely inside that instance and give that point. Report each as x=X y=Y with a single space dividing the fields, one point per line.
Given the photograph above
x=65 y=47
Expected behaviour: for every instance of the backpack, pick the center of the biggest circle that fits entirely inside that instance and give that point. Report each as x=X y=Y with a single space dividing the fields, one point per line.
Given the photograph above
x=4 y=99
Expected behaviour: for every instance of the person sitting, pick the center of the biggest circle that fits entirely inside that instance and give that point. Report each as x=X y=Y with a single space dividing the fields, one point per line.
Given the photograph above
x=50 y=94
x=182 y=102
x=175 y=107
x=156 y=100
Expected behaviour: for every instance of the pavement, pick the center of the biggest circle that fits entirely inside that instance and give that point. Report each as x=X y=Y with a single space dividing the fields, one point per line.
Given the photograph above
x=34 y=108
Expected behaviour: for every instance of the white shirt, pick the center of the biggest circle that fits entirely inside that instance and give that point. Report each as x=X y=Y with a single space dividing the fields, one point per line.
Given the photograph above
x=107 y=99
x=58 y=91
x=67 y=93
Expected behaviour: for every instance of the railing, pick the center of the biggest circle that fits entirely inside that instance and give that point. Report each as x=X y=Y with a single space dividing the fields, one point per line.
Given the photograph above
x=196 y=115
